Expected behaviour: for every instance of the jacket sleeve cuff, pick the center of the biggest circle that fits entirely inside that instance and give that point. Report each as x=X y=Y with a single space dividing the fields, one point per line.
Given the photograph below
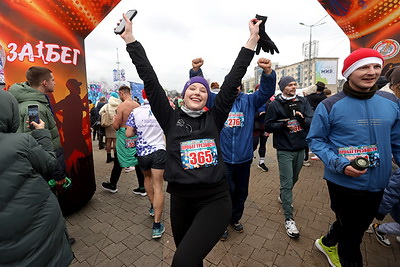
x=340 y=164
x=193 y=73
x=263 y=74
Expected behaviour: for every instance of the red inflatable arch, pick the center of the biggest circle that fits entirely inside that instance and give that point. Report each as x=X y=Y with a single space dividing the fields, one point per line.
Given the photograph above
x=51 y=33
x=369 y=23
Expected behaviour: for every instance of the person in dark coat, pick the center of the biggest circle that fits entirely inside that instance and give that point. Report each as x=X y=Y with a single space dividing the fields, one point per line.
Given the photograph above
x=101 y=131
x=315 y=98
x=32 y=227
x=288 y=118
x=94 y=123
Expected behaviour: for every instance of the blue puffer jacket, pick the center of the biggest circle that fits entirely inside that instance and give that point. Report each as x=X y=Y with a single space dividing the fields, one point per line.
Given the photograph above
x=391 y=198
x=345 y=121
x=236 y=136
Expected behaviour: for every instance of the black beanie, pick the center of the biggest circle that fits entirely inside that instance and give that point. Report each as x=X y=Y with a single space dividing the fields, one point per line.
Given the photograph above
x=320 y=86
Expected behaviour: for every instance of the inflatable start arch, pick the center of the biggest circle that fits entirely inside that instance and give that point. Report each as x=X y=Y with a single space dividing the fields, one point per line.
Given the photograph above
x=50 y=33
x=369 y=23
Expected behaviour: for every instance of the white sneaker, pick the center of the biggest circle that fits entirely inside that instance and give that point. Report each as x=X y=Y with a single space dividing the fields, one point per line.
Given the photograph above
x=306 y=163
x=291 y=228
x=279 y=199
x=381 y=237
x=129 y=169
x=398 y=239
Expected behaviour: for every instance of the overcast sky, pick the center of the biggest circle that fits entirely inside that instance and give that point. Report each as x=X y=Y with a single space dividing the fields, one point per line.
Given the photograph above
x=174 y=32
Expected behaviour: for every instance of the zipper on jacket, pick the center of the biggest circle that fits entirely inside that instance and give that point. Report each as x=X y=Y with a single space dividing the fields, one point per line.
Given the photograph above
x=370 y=130
x=233 y=145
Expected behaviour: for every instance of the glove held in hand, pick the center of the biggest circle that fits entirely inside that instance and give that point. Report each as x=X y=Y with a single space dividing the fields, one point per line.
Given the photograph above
x=265 y=42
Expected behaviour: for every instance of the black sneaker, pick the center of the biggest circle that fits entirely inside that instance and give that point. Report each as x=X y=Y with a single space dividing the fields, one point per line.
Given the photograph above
x=263 y=167
x=224 y=236
x=109 y=187
x=140 y=191
x=381 y=237
x=238 y=227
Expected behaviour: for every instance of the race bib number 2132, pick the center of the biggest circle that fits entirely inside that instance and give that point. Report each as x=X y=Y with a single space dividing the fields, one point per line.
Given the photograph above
x=199 y=153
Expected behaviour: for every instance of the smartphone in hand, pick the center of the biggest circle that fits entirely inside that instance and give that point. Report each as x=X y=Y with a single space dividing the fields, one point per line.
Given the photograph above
x=33 y=115
x=121 y=27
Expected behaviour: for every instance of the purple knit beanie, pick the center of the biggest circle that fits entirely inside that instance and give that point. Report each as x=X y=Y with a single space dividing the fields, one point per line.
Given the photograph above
x=196 y=79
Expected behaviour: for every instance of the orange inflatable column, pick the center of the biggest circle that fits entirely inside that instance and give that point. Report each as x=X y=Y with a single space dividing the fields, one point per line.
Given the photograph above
x=373 y=24
x=50 y=33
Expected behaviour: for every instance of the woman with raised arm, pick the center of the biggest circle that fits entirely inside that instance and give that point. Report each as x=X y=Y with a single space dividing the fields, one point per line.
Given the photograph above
x=200 y=201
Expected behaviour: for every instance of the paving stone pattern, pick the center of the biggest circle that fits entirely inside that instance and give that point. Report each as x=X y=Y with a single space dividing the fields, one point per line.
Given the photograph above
x=115 y=229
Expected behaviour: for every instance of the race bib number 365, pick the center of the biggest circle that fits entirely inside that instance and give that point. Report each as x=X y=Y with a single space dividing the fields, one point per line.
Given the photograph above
x=199 y=153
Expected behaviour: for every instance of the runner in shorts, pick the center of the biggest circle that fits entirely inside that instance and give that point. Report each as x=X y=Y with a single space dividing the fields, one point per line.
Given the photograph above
x=150 y=147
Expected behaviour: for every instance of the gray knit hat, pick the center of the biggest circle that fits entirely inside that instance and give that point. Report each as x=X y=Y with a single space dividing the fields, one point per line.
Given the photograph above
x=284 y=81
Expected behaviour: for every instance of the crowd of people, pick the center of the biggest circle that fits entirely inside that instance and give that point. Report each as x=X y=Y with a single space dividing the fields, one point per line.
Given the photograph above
x=203 y=146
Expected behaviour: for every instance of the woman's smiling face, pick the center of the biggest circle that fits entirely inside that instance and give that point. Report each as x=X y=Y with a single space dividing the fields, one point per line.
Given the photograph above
x=196 y=96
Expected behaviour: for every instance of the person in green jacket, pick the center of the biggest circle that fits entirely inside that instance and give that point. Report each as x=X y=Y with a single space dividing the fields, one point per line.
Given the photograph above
x=40 y=82
x=32 y=227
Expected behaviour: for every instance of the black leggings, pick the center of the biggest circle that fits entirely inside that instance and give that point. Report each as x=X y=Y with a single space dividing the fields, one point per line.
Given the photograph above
x=197 y=224
x=117 y=169
x=306 y=154
x=262 y=139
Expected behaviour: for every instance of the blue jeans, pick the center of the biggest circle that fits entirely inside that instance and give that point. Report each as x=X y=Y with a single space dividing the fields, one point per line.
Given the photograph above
x=391 y=228
x=238 y=178
x=290 y=163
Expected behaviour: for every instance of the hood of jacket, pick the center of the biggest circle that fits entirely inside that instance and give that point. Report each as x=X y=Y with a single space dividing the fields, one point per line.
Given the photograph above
x=23 y=93
x=114 y=102
x=9 y=113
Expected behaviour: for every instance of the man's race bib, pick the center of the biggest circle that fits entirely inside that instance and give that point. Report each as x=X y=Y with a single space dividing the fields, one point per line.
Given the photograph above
x=369 y=152
x=296 y=126
x=199 y=153
x=235 y=119
x=130 y=142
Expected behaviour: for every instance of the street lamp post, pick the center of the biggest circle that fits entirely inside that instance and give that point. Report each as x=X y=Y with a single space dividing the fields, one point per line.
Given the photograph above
x=309 y=45
x=118 y=70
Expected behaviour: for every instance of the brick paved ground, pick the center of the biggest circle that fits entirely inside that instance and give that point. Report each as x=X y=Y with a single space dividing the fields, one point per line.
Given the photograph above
x=115 y=229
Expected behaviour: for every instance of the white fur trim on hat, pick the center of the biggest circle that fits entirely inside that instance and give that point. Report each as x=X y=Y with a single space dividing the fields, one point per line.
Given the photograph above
x=362 y=62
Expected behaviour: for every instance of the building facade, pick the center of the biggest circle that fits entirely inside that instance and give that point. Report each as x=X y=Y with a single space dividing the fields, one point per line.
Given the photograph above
x=323 y=69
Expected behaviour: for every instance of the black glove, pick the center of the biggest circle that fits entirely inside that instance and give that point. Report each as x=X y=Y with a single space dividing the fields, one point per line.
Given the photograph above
x=379 y=216
x=265 y=42
x=300 y=120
